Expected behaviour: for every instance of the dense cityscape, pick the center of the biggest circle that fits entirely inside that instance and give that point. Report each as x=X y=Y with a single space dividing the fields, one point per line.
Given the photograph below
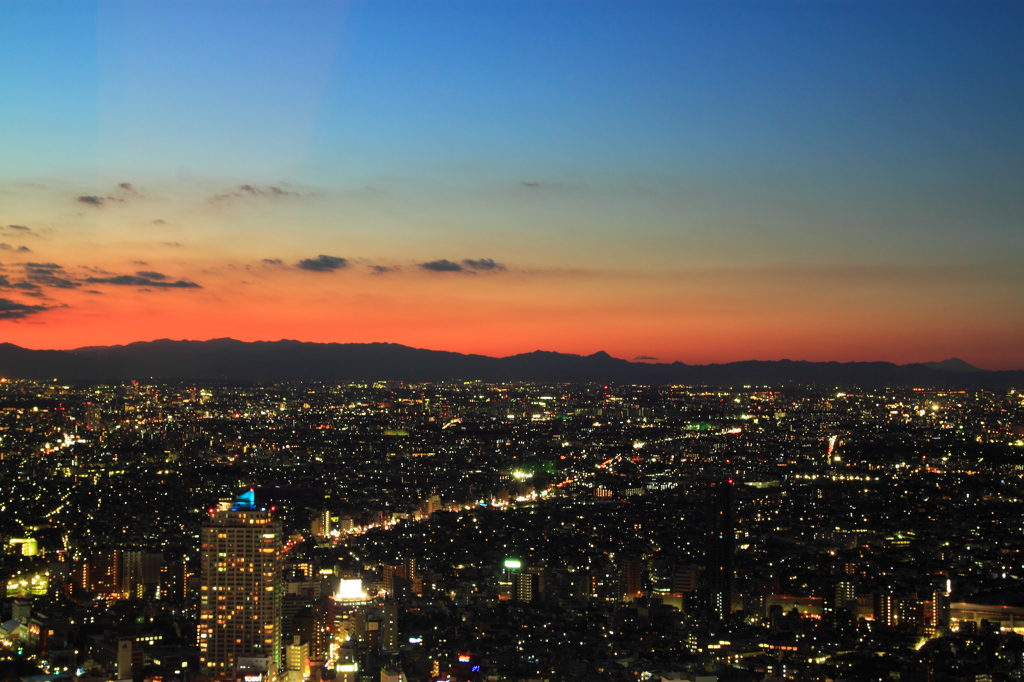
x=473 y=531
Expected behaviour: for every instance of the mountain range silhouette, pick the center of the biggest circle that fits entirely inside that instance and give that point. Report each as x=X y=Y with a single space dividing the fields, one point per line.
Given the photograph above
x=267 y=361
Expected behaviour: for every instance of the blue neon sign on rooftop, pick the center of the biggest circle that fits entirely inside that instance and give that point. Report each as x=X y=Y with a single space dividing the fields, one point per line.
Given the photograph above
x=245 y=502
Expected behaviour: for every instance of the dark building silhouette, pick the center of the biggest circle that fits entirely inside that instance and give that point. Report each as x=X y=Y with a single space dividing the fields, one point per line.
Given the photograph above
x=632 y=578
x=720 y=547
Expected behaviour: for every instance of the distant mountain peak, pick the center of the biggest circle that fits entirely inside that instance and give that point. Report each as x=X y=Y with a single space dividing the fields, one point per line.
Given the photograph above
x=953 y=365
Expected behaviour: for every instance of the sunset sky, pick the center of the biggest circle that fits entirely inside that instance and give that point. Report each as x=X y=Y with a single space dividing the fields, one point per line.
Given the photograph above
x=693 y=181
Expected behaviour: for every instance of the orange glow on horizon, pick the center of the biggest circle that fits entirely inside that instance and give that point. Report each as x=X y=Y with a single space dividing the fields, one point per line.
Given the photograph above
x=716 y=318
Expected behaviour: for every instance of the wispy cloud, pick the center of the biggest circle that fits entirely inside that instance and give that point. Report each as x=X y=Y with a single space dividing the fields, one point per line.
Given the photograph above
x=49 y=275
x=248 y=190
x=144 y=279
x=13 y=310
x=482 y=264
x=468 y=265
x=117 y=194
x=21 y=285
x=17 y=232
x=36 y=276
x=267 y=191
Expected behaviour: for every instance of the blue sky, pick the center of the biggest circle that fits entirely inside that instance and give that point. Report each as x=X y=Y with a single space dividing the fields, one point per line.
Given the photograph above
x=623 y=138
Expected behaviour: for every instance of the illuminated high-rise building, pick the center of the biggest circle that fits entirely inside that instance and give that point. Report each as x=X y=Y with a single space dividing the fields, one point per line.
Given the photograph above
x=389 y=628
x=885 y=609
x=320 y=526
x=240 y=591
x=846 y=595
x=297 y=659
x=343 y=608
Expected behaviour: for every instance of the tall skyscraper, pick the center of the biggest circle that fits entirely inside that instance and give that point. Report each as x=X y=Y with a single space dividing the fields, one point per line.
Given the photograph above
x=240 y=591
x=720 y=547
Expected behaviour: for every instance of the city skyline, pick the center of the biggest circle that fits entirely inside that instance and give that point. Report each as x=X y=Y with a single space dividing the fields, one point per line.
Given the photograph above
x=702 y=182
x=465 y=531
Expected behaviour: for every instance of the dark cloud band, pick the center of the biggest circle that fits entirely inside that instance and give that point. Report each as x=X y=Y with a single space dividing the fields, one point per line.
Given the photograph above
x=466 y=265
x=144 y=279
x=482 y=264
x=322 y=263
x=443 y=265
x=12 y=310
